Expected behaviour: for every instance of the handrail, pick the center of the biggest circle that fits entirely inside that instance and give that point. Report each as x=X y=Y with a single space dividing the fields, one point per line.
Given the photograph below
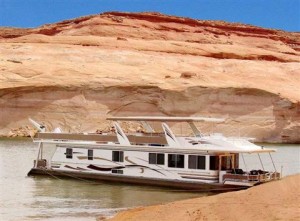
x=99 y=137
x=247 y=177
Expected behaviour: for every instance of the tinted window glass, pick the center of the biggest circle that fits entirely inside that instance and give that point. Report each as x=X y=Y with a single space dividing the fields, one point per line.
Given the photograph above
x=160 y=159
x=213 y=163
x=180 y=161
x=117 y=171
x=69 y=153
x=175 y=160
x=118 y=156
x=192 y=162
x=152 y=158
x=226 y=163
x=115 y=156
x=201 y=162
x=121 y=157
x=172 y=160
x=90 y=154
x=157 y=158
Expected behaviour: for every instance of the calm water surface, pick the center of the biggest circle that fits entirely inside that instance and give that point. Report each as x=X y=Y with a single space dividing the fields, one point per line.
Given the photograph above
x=48 y=198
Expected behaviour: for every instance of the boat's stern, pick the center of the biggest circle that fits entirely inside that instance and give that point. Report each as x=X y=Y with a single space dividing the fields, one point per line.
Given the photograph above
x=254 y=177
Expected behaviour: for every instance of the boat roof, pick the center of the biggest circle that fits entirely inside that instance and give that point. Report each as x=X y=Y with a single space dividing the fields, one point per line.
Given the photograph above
x=88 y=140
x=170 y=119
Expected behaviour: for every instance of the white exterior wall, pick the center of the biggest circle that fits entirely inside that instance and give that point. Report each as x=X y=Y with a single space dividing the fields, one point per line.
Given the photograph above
x=135 y=163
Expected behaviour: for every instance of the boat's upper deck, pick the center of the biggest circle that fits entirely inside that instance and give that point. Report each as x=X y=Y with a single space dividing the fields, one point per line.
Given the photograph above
x=205 y=144
x=151 y=139
x=157 y=138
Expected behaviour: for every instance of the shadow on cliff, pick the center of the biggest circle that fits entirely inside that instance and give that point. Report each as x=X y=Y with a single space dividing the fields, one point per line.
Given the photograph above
x=80 y=106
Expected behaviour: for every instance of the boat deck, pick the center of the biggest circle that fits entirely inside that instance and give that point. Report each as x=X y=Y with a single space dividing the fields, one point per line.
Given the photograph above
x=146 y=138
x=248 y=179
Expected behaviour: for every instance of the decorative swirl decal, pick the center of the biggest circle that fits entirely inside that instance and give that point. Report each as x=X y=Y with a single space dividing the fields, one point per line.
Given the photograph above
x=129 y=161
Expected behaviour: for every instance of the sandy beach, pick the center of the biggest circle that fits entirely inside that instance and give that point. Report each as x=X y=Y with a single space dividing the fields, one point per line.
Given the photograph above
x=278 y=200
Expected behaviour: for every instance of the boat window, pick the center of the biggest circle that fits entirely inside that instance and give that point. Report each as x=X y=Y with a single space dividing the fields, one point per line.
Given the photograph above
x=176 y=160
x=157 y=158
x=117 y=171
x=90 y=155
x=196 y=162
x=69 y=153
x=152 y=158
x=118 y=156
x=192 y=162
x=156 y=145
x=226 y=163
x=160 y=158
x=214 y=163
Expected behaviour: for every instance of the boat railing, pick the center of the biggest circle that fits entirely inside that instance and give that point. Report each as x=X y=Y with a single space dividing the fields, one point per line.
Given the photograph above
x=149 y=134
x=258 y=178
x=154 y=139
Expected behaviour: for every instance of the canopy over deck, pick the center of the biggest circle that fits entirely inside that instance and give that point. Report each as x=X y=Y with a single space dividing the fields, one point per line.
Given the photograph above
x=170 y=119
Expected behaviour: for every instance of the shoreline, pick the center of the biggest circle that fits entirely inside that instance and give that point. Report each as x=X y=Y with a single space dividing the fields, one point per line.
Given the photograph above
x=277 y=200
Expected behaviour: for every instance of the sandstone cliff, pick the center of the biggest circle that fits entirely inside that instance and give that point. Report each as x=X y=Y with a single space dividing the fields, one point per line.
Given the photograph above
x=74 y=73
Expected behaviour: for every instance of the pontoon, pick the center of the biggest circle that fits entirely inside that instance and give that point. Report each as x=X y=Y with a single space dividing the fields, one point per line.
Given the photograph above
x=206 y=162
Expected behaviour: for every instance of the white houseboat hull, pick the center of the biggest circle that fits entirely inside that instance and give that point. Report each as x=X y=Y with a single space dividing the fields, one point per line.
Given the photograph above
x=209 y=163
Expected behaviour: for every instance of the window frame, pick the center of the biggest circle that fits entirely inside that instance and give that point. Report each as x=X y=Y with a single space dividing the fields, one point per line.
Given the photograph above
x=90 y=156
x=214 y=164
x=120 y=155
x=163 y=159
x=153 y=158
x=117 y=171
x=196 y=159
x=177 y=160
x=69 y=153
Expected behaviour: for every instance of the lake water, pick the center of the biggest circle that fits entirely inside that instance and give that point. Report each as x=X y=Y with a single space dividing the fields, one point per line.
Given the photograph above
x=47 y=198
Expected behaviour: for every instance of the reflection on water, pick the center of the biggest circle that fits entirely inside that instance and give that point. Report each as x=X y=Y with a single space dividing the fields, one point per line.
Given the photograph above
x=48 y=198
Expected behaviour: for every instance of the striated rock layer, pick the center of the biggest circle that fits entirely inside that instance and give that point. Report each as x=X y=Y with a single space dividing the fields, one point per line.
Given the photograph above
x=74 y=73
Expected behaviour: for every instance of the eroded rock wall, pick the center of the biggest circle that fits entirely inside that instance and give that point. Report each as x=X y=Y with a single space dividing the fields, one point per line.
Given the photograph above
x=248 y=112
x=75 y=73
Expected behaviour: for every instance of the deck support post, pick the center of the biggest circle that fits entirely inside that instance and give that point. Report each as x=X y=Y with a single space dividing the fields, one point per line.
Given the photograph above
x=232 y=163
x=245 y=166
x=261 y=162
x=272 y=162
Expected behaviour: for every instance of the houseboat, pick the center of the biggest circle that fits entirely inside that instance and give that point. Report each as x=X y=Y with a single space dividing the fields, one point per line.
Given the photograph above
x=151 y=157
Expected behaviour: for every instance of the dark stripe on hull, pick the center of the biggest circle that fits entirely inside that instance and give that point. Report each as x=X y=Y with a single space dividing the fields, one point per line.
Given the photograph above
x=188 y=185
x=91 y=166
x=197 y=174
x=199 y=178
x=73 y=168
x=107 y=169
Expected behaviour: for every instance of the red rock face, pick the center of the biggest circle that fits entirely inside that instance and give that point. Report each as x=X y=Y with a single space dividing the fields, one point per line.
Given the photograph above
x=75 y=73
